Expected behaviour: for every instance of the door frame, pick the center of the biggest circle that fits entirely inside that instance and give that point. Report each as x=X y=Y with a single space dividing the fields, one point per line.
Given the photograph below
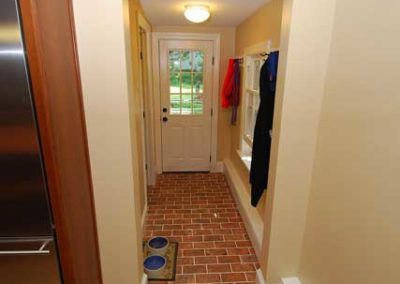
x=149 y=135
x=216 y=39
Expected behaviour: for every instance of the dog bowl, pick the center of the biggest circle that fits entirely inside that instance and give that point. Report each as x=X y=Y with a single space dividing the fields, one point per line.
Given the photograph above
x=154 y=265
x=158 y=245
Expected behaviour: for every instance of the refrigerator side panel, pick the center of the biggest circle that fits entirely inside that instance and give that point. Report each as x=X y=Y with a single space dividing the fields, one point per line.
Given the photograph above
x=24 y=209
x=32 y=262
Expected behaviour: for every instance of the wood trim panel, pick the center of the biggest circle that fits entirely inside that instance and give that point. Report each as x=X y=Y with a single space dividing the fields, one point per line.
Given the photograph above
x=50 y=42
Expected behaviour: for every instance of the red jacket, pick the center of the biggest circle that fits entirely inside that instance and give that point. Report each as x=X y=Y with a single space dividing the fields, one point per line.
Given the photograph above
x=231 y=89
x=228 y=84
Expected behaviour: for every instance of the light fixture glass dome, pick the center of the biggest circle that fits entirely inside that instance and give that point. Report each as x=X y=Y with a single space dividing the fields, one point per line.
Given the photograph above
x=197 y=13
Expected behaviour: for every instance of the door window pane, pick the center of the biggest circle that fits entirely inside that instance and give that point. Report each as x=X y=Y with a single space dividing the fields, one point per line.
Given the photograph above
x=187 y=104
x=198 y=61
x=175 y=83
x=186 y=61
x=197 y=104
x=198 y=83
x=175 y=103
x=174 y=61
x=186 y=82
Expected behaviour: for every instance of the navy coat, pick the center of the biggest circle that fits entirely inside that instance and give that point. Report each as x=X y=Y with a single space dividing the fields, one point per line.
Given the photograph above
x=262 y=139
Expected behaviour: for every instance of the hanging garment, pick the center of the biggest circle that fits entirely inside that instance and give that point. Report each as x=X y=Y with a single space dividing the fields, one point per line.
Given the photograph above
x=231 y=88
x=228 y=84
x=234 y=99
x=262 y=139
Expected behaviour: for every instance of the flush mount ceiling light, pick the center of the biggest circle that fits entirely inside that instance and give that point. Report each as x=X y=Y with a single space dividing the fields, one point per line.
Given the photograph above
x=197 y=13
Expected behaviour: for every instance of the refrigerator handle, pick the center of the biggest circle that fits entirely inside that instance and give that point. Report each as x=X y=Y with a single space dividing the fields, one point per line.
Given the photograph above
x=40 y=251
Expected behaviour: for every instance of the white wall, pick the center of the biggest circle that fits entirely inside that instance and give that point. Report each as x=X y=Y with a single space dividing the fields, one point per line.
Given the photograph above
x=304 y=52
x=104 y=64
x=333 y=211
x=353 y=223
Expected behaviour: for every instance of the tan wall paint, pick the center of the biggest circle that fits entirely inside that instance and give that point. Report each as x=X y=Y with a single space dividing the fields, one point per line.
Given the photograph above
x=263 y=25
x=105 y=55
x=227 y=51
x=303 y=63
x=250 y=33
x=353 y=225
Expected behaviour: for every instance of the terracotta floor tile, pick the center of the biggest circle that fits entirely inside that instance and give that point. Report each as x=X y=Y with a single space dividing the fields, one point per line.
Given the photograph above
x=198 y=211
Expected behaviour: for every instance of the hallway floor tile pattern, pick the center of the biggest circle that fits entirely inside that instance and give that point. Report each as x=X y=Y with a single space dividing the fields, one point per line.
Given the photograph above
x=198 y=211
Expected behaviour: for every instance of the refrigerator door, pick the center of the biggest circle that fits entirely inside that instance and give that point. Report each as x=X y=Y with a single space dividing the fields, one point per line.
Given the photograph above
x=24 y=209
x=29 y=261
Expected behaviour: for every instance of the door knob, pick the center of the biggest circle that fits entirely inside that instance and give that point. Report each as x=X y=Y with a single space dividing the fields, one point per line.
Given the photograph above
x=165 y=109
x=165 y=119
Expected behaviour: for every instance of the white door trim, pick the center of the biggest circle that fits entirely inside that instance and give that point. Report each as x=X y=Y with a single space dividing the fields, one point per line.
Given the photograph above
x=215 y=38
x=291 y=280
x=149 y=105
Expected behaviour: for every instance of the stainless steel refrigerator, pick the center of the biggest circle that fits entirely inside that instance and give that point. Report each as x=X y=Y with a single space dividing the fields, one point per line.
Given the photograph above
x=28 y=253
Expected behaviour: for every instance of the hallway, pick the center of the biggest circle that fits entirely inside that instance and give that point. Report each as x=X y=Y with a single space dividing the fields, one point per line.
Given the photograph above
x=198 y=211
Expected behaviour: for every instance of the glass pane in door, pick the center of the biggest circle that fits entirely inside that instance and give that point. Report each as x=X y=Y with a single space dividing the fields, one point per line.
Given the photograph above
x=198 y=61
x=186 y=82
x=198 y=86
x=198 y=104
x=174 y=61
x=175 y=83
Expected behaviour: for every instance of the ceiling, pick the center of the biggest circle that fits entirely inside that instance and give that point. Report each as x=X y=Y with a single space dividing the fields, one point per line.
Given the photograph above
x=228 y=13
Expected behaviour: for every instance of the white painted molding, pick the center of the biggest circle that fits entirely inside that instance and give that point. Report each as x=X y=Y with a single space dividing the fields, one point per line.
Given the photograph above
x=144 y=279
x=259 y=277
x=143 y=23
x=147 y=92
x=291 y=280
x=219 y=167
x=144 y=214
x=252 y=219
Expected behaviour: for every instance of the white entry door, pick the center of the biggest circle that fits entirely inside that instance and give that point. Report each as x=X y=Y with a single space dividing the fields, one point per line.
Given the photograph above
x=186 y=95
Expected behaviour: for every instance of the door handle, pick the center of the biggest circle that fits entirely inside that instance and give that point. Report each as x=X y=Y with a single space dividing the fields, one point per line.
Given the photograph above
x=165 y=109
x=165 y=119
x=43 y=243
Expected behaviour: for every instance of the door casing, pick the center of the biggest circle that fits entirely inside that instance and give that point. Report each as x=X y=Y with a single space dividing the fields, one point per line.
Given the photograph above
x=147 y=94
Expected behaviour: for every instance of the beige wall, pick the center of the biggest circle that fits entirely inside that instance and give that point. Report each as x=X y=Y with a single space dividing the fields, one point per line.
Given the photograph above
x=264 y=25
x=332 y=212
x=303 y=62
x=227 y=51
x=105 y=57
x=353 y=224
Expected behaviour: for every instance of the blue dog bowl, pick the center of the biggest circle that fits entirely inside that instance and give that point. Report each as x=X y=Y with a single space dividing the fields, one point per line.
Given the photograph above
x=158 y=245
x=154 y=265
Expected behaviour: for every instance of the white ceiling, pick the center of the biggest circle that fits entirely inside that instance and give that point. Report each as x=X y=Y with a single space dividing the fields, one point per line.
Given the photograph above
x=223 y=12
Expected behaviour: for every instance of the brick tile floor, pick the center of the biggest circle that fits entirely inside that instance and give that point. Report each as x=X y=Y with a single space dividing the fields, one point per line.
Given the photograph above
x=198 y=211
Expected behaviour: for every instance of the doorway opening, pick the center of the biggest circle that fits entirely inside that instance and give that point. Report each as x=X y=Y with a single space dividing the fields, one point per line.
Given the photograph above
x=186 y=94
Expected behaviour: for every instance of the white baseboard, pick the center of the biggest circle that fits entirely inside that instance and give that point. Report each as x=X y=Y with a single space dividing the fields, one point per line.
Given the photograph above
x=260 y=277
x=144 y=279
x=144 y=214
x=291 y=280
x=218 y=168
x=151 y=177
x=252 y=219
